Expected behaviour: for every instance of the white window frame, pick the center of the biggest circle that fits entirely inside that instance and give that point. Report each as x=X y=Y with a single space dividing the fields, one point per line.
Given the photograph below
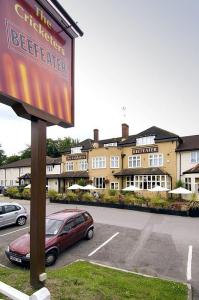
x=187 y=182
x=49 y=168
x=195 y=157
x=99 y=162
x=114 y=162
x=134 y=159
x=156 y=159
x=115 y=185
x=148 y=180
x=83 y=165
x=76 y=150
x=99 y=182
x=110 y=145
x=146 y=140
x=69 y=166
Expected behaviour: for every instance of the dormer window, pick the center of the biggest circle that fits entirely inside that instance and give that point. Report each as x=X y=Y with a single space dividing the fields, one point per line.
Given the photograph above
x=146 y=140
x=76 y=150
x=110 y=145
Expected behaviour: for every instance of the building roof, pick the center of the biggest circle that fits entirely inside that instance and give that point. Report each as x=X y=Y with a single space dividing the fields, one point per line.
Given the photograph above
x=193 y=170
x=160 y=135
x=25 y=176
x=109 y=141
x=85 y=144
x=78 y=174
x=27 y=162
x=140 y=171
x=189 y=143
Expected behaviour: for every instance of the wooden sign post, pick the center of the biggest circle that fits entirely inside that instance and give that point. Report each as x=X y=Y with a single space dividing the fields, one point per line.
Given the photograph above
x=38 y=201
x=37 y=81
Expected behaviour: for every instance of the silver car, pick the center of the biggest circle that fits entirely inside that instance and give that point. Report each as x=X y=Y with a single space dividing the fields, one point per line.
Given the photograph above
x=12 y=213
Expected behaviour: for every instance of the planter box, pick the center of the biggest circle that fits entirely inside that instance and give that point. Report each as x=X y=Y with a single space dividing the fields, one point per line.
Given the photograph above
x=194 y=212
x=131 y=207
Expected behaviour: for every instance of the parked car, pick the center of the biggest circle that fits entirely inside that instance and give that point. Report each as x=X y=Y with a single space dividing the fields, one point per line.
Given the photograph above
x=12 y=213
x=63 y=229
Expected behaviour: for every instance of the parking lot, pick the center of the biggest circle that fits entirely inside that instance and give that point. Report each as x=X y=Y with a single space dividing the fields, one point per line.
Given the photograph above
x=164 y=246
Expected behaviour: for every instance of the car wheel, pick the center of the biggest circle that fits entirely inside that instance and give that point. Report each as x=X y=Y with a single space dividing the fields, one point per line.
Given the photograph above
x=51 y=258
x=21 y=221
x=89 y=234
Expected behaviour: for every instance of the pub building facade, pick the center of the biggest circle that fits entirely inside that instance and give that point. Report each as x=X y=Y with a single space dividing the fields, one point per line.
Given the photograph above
x=144 y=160
x=149 y=158
x=188 y=162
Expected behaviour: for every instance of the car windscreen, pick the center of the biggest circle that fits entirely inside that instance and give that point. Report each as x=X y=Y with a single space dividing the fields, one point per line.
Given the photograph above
x=53 y=226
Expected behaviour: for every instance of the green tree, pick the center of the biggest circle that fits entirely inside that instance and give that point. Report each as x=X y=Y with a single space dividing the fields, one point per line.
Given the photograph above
x=2 y=156
x=65 y=143
x=179 y=183
x=52 y=148
x=12 y=158
x=26 y=153
x=55 y=148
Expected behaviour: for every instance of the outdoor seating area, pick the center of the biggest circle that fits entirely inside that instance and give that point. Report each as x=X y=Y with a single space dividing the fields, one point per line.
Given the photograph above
x=156 y=199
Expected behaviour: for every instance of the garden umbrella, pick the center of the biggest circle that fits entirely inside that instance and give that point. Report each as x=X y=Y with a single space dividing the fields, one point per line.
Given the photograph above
x=29 y=186
x=181 y=190
x=131 y=188
x=88 y=187
x=158 y=188
x=74 y=187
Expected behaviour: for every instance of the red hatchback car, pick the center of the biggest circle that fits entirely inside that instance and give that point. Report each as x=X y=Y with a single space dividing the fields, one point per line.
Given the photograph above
x=63 y=229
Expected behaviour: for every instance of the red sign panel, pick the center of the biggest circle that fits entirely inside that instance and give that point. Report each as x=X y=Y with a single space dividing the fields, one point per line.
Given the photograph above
x=36 y=59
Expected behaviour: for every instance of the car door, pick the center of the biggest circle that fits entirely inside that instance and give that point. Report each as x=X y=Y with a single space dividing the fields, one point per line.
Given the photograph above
x=67 y=237
x=80 y=227
x=2 y=216
x=10 y=214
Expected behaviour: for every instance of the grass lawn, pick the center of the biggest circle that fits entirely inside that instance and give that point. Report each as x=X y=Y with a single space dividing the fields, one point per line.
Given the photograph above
x=85 y=281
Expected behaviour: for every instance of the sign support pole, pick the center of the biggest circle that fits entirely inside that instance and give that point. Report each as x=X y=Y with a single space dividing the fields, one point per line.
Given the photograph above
x=38 y=201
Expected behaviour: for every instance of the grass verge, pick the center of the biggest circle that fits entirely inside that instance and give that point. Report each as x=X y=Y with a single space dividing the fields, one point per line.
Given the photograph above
x=86 y=281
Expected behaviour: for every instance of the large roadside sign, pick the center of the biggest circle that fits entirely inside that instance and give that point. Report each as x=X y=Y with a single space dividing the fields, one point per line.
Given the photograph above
x=37 y=61
x=36 y=80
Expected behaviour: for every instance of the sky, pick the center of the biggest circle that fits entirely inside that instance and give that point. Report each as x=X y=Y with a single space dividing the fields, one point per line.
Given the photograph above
x=139 y=55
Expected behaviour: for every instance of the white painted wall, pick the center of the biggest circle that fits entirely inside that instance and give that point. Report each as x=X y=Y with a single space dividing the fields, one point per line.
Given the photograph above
x=53 y=184
x=2 y=177
x=24 y=170
x=186 y=164
x=53 y=169
x=10 y=176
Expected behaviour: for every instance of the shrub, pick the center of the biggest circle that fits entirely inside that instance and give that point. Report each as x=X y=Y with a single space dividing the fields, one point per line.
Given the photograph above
x=81 y=182
x=129 y=198
x=157 y=201
x=179 y=183
x=194 y=197
x=101 y=197
x=139 y=201
x=12 y=191
x=87 y=197
x=26 y=194
x=71 y=196
x=110 y=199
x=52 y=194
x=112 y=192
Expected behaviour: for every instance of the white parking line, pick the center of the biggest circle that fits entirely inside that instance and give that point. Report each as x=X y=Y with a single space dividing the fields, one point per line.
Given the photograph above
x=13 y=231
x=189 y=260
x=112 y=237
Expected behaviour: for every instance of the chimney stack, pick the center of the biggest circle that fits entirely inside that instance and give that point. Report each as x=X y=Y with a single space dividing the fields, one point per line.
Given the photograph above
x=125 y=131
x=96 y=135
